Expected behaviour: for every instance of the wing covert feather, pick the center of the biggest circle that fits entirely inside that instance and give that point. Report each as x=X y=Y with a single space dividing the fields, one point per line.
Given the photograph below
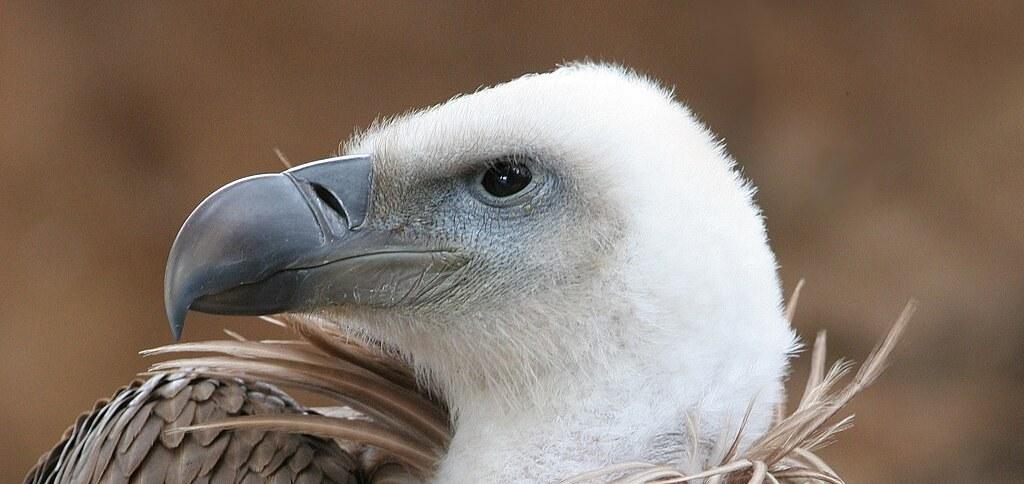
x=123 y=440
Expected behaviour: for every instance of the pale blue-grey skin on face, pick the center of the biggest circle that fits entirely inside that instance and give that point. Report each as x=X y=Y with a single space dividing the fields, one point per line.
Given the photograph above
x=427 y=240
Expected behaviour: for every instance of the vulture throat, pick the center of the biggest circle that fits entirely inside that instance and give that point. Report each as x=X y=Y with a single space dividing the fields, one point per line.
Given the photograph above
x=570 y=261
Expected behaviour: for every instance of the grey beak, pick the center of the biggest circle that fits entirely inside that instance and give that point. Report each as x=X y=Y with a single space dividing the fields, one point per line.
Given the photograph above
x=289 y=241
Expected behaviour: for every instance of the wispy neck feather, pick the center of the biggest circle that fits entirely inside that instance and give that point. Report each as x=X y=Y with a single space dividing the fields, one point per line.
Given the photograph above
x=640 y=397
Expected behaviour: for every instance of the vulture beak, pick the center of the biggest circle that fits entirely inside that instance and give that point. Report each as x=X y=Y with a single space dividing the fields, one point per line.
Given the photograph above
x=293 y=241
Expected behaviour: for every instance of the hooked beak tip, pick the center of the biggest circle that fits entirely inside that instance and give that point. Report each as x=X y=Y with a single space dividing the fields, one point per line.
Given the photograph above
x=176 y=327
x=176 y=318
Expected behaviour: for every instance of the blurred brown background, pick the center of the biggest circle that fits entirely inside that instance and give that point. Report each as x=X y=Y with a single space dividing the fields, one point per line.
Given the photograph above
x=886 y=142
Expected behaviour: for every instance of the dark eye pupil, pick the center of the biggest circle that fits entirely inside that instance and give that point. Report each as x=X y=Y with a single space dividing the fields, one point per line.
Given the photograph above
x=505 y=179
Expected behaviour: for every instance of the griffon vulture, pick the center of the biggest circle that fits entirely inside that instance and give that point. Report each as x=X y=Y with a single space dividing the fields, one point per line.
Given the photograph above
x=569 y=264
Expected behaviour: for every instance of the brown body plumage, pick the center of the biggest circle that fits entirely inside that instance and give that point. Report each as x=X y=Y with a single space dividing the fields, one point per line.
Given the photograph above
x=217 y=419
x=126 y=438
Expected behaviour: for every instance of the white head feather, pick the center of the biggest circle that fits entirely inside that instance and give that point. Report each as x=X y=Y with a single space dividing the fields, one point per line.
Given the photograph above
x=642 y=295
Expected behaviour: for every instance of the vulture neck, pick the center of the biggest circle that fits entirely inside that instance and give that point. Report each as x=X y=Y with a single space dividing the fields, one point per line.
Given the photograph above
x=631 y=403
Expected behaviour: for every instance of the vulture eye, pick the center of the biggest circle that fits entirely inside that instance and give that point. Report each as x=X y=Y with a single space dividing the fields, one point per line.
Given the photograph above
x=504 y=179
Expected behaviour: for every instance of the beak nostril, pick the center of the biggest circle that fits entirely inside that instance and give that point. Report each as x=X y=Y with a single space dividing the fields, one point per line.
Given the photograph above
x=329 y=199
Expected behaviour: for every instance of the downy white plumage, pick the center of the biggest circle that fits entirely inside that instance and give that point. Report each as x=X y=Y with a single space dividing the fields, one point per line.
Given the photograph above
x=630 y=295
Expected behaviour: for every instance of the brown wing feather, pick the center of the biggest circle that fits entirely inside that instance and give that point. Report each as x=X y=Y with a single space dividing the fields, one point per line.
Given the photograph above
x=124 y=439
x=384 y=429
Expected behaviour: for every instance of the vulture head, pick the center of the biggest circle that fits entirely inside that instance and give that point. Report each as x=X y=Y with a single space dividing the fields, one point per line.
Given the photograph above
x=569 y=259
